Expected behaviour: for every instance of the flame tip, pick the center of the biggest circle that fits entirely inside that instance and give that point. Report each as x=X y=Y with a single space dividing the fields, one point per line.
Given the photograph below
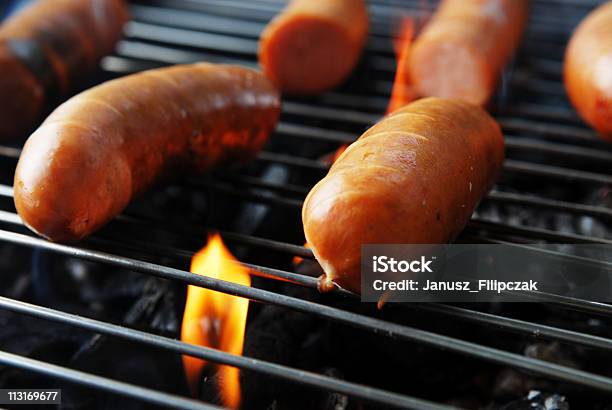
x=402 y=92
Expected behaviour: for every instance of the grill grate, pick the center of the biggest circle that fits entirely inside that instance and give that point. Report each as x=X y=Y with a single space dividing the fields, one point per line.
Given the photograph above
x=539 y=121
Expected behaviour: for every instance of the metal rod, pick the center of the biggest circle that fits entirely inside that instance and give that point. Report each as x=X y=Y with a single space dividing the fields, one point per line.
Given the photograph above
x=377 y=326
x=312 y=283
x=517 y=326
x=154 y=397
x=252 y=181
x=302 y=377
x=292 y=249
x=569 y=207
x=479 y=224
x=561 y=150
x=252 y=195
x=497 y=196
x=475 y=225
x=558 y=131
x=510 y=166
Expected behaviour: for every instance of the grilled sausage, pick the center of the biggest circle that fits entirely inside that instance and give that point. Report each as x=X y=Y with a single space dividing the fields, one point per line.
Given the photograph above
x=98 y=150
x=588 y=70
x=313 y=45
x=464 y=48
x=415 y=177
x=46 y=51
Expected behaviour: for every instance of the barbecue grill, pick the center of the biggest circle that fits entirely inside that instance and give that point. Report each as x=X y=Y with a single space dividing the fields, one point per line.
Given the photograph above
x=554 y=189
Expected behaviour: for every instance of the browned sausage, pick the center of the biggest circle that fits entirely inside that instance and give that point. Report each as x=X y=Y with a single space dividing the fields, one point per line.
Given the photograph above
x=588 y=69
x=415 y=177
x=464 y=48
x=313 y=45
x=46 y=51
x=22 y=95
x=106 y=145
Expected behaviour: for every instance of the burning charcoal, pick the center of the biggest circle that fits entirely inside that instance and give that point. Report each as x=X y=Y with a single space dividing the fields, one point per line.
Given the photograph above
x=537 y=400
x=39 y=339
x=334 y=401
x=464 y=403
x=14 y=265
x=553 y=352
x=509 y=384
x=293 y=339
x=156 y=308
x=84 y=287
x=129 y=362
x=253 y=216
x=317 y=399
x=209 y=389
x=276 y=335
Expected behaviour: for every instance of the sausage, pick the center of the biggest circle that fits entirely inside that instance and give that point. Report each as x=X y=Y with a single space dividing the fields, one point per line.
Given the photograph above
x=588 y=70
x=101 y=148
x=414 y=177
x=313 y=45
x=21 y=93
x=464 y=48
x=48 y=49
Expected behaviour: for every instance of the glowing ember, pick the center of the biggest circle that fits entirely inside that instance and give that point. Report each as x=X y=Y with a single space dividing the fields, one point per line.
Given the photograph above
x=215 y=319
x=298 y=259
x=403 y=92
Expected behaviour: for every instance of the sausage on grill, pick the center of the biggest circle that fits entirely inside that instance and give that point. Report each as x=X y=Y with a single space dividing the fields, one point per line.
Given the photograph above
x=588 y=70
x=414 y=177
x=313 y=45
x=98 y=150
x=47 y=50
x=464 y=48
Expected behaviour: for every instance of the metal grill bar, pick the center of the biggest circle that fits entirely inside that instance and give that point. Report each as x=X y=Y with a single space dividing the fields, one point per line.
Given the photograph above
x=112 y=386
x=518 y=326
x=310 y=282
x=476 y=226
x=557 y=150
x=499 y=196
x=377 y=326
x=513 y=325
x=510 y=166
x=227 y=31
x=563 y=132
x=298 y=376
x=153 y=250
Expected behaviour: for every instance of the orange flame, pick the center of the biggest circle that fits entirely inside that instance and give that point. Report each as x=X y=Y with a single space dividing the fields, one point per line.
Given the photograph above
x=216 y=319
x=402 y=92
x=328 y=159
x=339 y=152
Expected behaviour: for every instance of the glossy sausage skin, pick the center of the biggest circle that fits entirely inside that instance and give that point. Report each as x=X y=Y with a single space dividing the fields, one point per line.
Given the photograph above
x=313 y=45
x=48 y=49
x=588 y=70
x=98 y=150
x=414 y=177
x=462 y=51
